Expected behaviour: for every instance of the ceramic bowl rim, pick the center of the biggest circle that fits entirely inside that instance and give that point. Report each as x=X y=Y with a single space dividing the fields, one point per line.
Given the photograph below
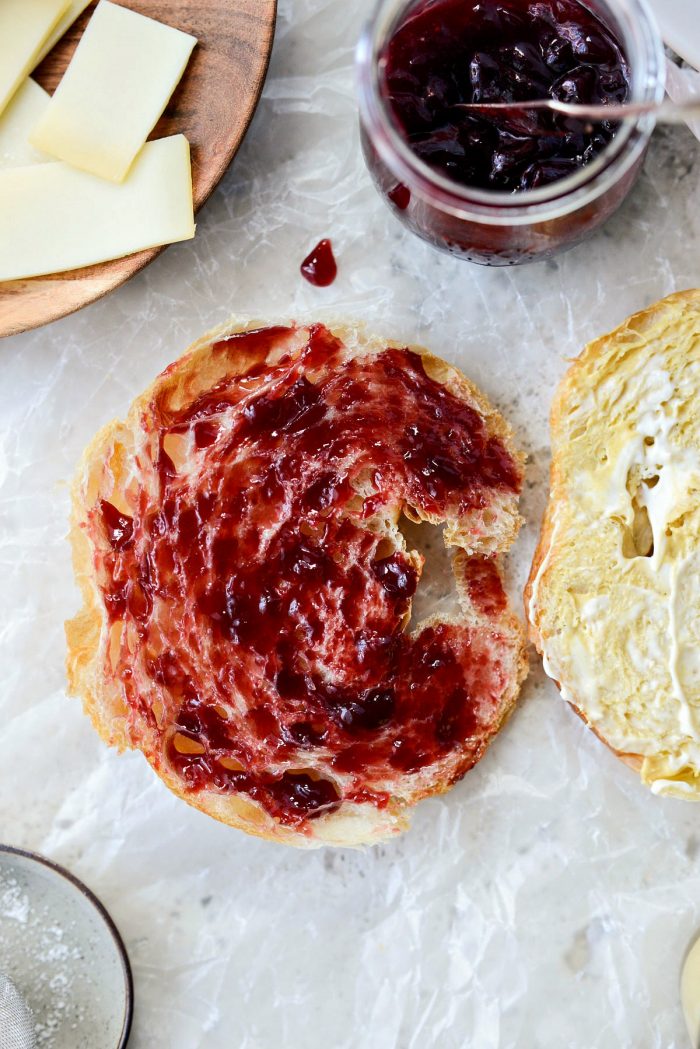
x=107 y=920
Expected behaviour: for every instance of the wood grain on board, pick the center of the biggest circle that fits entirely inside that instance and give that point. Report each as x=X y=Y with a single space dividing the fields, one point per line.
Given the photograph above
x=212 y=106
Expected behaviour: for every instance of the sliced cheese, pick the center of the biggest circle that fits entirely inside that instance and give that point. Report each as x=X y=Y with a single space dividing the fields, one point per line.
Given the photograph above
x=123 y=72
x=24 y=26
x=54 y=218
x=17 y=123
x=76 y=8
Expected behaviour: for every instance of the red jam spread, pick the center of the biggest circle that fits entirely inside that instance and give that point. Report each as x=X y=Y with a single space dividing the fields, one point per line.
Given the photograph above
x=450 y=52
x=319 y=267
x=264 y=647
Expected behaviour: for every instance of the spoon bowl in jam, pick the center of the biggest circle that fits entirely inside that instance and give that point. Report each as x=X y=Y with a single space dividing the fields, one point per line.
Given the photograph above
x=663 y=113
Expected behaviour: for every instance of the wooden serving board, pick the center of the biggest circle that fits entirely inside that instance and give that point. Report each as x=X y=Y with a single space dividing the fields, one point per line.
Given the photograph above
x=213 y=106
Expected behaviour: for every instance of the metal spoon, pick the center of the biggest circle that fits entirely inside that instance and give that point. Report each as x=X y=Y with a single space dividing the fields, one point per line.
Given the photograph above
x=664 y=112
x=16 y=1020
x=690 y=993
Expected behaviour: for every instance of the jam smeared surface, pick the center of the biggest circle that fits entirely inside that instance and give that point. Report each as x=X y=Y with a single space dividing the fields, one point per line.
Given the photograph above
x=319 y=267
x=263 y=646
x=463 y=51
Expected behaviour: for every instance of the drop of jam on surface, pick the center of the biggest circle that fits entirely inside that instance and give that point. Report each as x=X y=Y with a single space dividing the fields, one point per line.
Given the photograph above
x=319 y=267
x=451 y=52
x=266 y=561
x=400 y=196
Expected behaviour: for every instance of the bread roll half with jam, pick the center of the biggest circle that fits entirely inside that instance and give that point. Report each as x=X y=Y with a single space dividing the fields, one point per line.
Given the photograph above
x=247 y=588
x=614 y=593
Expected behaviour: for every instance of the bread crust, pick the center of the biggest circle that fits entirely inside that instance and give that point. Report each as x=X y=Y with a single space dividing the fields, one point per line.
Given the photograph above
x=638 y=325
x=87 y=633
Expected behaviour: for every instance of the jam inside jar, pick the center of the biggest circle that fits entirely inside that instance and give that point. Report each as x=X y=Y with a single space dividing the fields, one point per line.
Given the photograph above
x=510 y=186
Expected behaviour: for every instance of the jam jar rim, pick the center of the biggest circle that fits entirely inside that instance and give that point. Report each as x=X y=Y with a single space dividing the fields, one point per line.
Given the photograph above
x=496 y=206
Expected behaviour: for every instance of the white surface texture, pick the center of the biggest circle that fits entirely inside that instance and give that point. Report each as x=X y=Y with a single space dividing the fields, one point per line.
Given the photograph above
x=679 y=23
x=547 y=901
x=683 y=85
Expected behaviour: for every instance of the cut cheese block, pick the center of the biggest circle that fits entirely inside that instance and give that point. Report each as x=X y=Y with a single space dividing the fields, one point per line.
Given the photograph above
x=54 y=218
x=116 y=87
x=24 y=26
x=16 y=124
x=65 y=22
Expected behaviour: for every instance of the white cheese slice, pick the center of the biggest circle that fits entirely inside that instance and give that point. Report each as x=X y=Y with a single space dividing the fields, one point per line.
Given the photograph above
x=76 y=8
x=54 y=218
x=123 y=72
x=17 y=122
x=24 y=26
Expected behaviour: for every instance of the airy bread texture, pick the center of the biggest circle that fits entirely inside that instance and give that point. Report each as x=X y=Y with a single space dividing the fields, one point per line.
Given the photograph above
x=613 y=598
x=115 y=467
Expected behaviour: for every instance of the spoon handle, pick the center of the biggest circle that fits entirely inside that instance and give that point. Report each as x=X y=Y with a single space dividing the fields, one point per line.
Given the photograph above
x=664 y=112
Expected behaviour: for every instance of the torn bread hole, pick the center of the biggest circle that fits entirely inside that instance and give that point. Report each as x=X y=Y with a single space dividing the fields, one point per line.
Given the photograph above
x=231 y=764
x=119 y=500
x=437 y=589
x=638 y=540
x=187 y=745
x=158 y=711
x=678 y=523
x=412 y=514
x=638 y=537
x=175 y=446
x=385 y=548
x=115 y=643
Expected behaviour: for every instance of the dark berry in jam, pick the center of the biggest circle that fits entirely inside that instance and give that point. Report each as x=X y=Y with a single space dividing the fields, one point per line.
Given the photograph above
x=119 y=527
x=450 y=52
x=319 y=267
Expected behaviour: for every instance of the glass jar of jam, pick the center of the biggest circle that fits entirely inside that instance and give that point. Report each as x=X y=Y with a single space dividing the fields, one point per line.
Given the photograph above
x=511 y=186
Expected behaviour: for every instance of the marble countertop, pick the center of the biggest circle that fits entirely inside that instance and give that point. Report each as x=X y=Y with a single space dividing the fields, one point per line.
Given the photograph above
x=548 y=899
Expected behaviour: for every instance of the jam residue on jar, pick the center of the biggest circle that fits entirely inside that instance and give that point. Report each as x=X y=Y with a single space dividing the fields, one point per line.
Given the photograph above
x=319 y=267
x=451 y=52
x=400 y=196
x=263 y=645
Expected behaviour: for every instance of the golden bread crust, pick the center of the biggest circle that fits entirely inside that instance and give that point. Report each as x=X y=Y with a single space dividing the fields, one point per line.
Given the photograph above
x=104 y=469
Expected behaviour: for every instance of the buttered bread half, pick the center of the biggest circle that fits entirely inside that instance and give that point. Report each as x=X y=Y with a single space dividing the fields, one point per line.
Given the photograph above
x=248 y=589
x=613 y=598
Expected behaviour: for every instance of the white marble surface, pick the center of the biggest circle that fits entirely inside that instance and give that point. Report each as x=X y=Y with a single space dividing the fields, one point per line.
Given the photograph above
x=546 y=902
